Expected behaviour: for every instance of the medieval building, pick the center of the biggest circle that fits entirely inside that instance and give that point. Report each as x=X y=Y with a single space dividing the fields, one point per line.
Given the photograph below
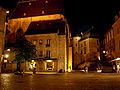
x=86 y=50
x=2 y=32
x=44 y=24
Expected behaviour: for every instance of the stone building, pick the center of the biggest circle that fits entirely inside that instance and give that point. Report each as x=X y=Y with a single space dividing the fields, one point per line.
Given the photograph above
x=111 y=39
x=76 y=55
x=112 y=42
x=45 y=25
x=2 y=32
x=88 y=47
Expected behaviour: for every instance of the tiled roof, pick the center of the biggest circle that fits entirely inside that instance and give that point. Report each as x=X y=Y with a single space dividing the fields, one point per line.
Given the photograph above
x=89 y=34
x=45 y=27
x=38 y=8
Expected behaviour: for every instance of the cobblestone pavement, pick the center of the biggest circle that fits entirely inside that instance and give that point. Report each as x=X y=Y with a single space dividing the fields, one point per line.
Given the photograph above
x=65 y=81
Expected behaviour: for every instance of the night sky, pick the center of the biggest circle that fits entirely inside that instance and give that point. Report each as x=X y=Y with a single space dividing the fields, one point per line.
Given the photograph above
x=83 y=14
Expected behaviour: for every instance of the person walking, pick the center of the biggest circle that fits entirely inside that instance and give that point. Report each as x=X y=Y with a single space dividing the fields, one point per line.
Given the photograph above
x=118 y=68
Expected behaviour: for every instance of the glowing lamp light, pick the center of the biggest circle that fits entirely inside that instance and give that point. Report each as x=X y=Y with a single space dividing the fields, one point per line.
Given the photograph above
x=5 y=61
x=99 y=70
x=69 y=70
x=117 y=59
x=6 y=55
x=7 y=12
x=8 y=49
x=49 y=60
x=99 y=57
x=78 y=38
x=103 y=51
x=33 y=61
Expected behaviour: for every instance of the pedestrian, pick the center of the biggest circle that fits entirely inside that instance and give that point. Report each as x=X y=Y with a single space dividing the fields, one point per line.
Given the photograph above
x=118 y=69
x=34 y=70
x=86 y=69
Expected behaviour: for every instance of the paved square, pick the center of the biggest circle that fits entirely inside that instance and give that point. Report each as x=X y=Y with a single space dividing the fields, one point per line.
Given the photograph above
x=65 y=81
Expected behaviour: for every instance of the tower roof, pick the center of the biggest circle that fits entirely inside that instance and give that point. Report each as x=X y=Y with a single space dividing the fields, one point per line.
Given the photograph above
x=38 y=8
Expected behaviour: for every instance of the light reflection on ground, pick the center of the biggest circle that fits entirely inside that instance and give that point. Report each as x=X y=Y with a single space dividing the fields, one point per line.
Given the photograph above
x=67 y=81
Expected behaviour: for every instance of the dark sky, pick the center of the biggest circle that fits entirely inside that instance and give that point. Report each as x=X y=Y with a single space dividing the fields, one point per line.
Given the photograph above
x=83 y=14
x=86 y=13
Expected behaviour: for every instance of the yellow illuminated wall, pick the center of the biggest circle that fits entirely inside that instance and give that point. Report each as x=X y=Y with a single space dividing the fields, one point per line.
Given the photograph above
x=63 y=55
x=2 y=31
x=23 y=23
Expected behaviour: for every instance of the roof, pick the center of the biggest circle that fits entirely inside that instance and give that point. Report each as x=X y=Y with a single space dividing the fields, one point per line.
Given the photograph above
x=45 y=27
x=91 y=33
x=38 y=8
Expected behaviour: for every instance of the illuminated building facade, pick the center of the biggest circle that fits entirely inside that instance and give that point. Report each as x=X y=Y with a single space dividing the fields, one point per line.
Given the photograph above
x=2 y=32
x=112 y=40
x=76 y=55
x=88 y=50
x=44 y=25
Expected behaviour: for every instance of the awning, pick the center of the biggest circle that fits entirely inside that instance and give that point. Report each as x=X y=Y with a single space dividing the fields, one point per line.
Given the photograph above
x=116 y=59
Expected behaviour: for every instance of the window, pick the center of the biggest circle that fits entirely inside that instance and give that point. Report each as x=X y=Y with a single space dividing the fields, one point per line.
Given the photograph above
x=84 y=43
x=81 y=46
x=40 y=42
x=97 y=49
x=117 y=29
x=41 y=53
x=34 y=42
x=48 y=43
x=84 y=50
x=76 y=53
x=48 y=53
x=76 y=44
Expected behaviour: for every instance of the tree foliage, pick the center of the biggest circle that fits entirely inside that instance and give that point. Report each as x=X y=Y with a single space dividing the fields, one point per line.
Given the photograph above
x=24 y=49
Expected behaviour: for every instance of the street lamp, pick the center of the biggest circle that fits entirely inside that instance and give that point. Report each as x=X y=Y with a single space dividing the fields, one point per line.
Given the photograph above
x=6 y=55
x=104 y=52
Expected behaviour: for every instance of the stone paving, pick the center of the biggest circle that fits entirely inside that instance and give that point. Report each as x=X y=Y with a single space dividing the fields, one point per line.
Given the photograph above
x=63 y=81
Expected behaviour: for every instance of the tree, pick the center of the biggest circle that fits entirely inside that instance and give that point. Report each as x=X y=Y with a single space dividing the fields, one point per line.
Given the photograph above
x=24 y=50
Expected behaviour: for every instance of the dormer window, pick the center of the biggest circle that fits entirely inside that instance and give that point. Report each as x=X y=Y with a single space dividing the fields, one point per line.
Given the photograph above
x=29 y=3
x=24 y=14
